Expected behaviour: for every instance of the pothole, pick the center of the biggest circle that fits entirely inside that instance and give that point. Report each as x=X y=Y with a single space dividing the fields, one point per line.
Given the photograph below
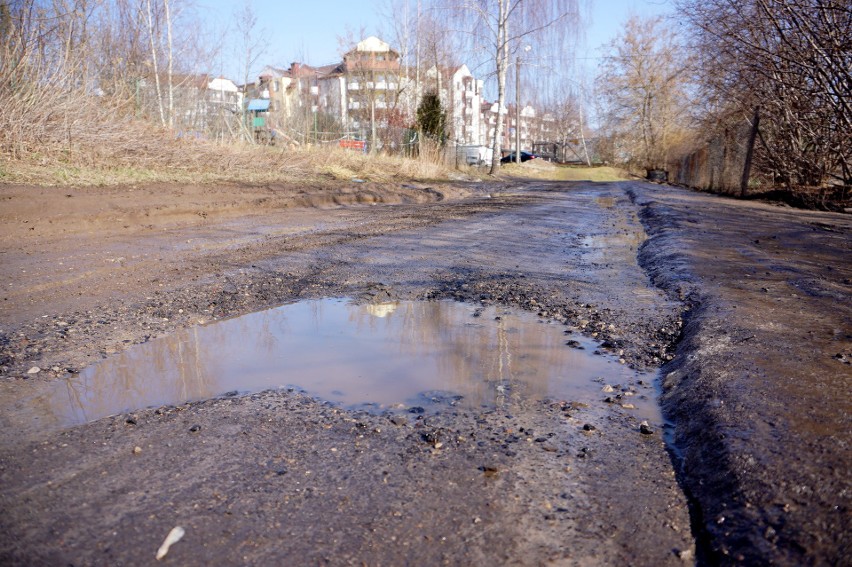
x=406 y=354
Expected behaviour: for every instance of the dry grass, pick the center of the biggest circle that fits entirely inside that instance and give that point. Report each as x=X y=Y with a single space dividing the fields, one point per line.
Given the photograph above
x=547 y=171
x=92 y=142
x=48 y=137
x=148 y=155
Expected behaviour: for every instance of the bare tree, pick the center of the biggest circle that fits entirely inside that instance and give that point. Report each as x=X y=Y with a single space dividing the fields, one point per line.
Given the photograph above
x=792 y=59
x=570 y=125
x=252 y=40
x=642 y=87
x=403 y=21
x=71 y=71
x=498 y=29
x=153 y=40
x=171 y=57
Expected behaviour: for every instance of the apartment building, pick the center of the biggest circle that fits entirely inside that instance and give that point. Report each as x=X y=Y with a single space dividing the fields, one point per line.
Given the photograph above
x=461 y=95
x=370 y=96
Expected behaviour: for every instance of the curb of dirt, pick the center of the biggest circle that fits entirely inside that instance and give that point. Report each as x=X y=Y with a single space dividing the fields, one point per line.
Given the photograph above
x=668 y=271
x=738 y=456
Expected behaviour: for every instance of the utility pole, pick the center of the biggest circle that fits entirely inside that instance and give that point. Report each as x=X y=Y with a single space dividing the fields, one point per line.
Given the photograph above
x=518 y=109
x=518 y=105
x=373 y=123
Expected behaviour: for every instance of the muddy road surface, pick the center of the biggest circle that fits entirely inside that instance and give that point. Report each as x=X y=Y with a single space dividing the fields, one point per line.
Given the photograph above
x=742 y=310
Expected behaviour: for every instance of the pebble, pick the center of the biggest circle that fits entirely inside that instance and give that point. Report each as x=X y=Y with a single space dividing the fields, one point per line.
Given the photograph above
x=195 y=428
x=34 y=370
x=398 y=420
x=608 y=388
x=588 y=427
x=489 y=470
x=645 y=429
x=137 y=450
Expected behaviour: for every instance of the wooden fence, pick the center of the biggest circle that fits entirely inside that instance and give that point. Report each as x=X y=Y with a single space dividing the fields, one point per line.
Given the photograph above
x=719 y=165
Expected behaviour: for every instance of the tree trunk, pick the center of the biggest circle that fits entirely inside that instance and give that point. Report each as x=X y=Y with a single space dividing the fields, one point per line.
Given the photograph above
x=755 y=123
x=171 y=57
x=154 y=62
x=502 y=64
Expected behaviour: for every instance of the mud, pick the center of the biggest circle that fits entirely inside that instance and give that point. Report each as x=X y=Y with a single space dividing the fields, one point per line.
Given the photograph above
x=280 y=477
x=759 y=387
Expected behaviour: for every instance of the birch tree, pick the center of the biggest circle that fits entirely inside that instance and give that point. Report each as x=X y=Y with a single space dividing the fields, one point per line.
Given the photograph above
x=496 y=31
x=153 y=40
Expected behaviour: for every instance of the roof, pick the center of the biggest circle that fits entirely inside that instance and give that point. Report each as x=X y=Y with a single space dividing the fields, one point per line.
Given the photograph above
x=222 y=84
x=260 y=104
x=372 y=43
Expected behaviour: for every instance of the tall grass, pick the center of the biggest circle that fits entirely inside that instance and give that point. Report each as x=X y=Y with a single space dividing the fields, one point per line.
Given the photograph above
x=139 y=153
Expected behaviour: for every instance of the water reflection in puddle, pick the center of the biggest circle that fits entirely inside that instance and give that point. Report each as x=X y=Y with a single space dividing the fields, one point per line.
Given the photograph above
x=356 y=355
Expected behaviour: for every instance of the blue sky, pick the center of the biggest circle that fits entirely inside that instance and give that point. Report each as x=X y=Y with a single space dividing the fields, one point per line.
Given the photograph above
x=302 y=30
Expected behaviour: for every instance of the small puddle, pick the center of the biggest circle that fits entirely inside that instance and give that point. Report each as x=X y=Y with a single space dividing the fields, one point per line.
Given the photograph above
x=604 y=248
x=390 y=355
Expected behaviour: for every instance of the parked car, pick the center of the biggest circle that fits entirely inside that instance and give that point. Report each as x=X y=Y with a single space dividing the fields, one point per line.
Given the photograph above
x=477 y=155
x=525 y=156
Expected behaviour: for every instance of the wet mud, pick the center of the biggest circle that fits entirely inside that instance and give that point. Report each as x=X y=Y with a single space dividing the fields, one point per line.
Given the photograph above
x=280 y=476
x=758 y=387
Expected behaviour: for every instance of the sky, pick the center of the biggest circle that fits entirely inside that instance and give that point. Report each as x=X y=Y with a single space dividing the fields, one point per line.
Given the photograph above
x=309 y=31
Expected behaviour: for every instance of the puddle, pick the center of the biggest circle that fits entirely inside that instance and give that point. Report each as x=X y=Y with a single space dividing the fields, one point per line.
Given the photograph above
x=373 y=356
x=612 y=248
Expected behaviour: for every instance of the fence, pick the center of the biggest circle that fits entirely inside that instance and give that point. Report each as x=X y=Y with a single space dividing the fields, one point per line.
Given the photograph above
x=719 y=165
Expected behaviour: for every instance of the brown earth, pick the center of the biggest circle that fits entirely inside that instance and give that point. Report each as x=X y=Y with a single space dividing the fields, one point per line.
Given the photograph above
x=757 y=384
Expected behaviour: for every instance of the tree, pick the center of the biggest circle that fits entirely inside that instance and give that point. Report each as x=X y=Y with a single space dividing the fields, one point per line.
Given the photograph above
x=642 y=87
x=252 y=41
x=71 y=69
x=498 y=29
x=153 y=40
x=570 y=125
x=431 y=117
x=792 y=59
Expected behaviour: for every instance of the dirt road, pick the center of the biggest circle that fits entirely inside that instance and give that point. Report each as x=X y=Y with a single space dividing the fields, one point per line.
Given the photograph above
x=756 y=345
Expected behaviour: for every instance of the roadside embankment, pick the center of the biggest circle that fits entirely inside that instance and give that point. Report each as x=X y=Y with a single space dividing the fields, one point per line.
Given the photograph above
x=758 y=388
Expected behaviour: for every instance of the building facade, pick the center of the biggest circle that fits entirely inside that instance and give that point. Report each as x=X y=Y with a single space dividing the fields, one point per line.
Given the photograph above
x=370 y=96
